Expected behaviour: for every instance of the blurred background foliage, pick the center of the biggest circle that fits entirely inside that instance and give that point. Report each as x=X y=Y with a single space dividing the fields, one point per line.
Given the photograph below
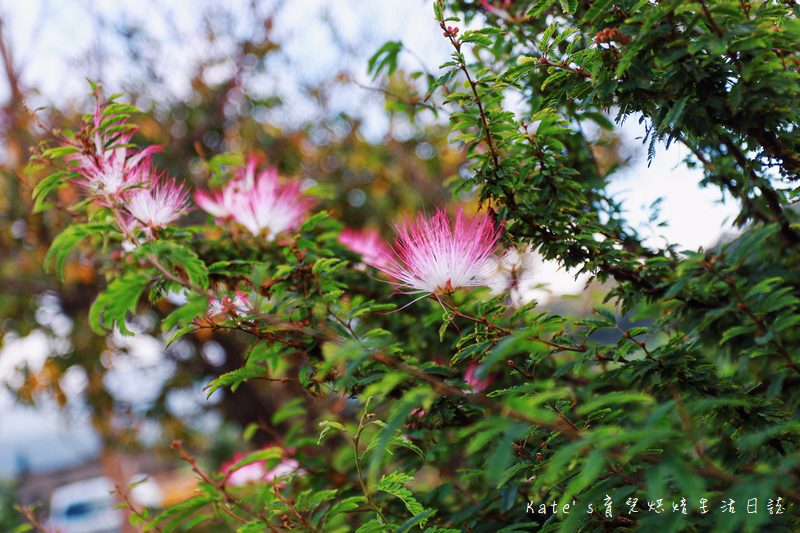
x=368 y=184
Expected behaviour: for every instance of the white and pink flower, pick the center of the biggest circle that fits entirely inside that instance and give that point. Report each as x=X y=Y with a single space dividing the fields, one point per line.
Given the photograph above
x=257 y=471
x=157 y=205
x=434 y=256
x=262 y=203
x=112 y=167
x=238 y=305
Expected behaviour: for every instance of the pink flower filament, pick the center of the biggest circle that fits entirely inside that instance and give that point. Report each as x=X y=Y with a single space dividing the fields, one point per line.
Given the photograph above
x=436 y=257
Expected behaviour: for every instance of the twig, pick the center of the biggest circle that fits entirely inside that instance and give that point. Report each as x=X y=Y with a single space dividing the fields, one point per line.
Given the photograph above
x=745 y=308
x=390 y=94
x=28 y=512
x=132 y=508
x=227 y=497
x=356 y=438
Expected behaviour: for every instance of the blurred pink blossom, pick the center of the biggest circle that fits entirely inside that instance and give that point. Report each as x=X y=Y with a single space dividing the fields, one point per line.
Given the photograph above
x=261 y=203
x=501 y=11
x=222 y=204
x=478 y=385
x=368 y=244
x=257 y=472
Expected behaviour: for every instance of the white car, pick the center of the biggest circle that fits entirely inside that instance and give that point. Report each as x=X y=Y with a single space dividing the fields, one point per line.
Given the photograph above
x=85 y=507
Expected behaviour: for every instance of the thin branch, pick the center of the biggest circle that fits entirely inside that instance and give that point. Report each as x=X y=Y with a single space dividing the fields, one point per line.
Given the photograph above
x=220 y=486
x=745 y=308
x=394 y=96
x=28 y=512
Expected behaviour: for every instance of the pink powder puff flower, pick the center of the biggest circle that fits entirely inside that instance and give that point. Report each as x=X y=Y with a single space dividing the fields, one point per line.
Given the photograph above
x=419 y=411
x=257 y=472
x=240 y=304
x=154 y=207
x=478 y=385
x=222 y=204
x=217 y=307
x=435 y=257
x=368 y=244
x=112 y=167
x=261 y=203
x=272 y=207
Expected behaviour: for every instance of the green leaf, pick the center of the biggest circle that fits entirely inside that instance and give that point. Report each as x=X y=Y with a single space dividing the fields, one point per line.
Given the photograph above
x=324 y=265
x=526 y=64
x=475 y=37
x=348 y=504
x=328 y=425
x=374 y=526
x=182 y=316
x=393 y=484
x=181 y=260
x=69 y=239
x=400 y=441
x=675 y=115
x=256 y=526
x=180 y=332
x=615 y=399
x=176 y=514
x=547 y=34
x=43 y=188
x=292 y=408
x=237 y=267
x=539 y=7
x=598 y=9
x=569 y=6
x=414 y=398
x=196 y=521
x=384 y=58
x=420 y=518
x=446 y=77
x=58 y=152
x=113 y=304
x=511 y=472
x=250 y=430
x=735 y=332
x=522 y=526
x=274 y=452
x=635 y=332
x=220 y=163
x=318 y=499
x=598 y=414
x=234 y=378
x=610 y=318
x=557 y=77
x=502 y=456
